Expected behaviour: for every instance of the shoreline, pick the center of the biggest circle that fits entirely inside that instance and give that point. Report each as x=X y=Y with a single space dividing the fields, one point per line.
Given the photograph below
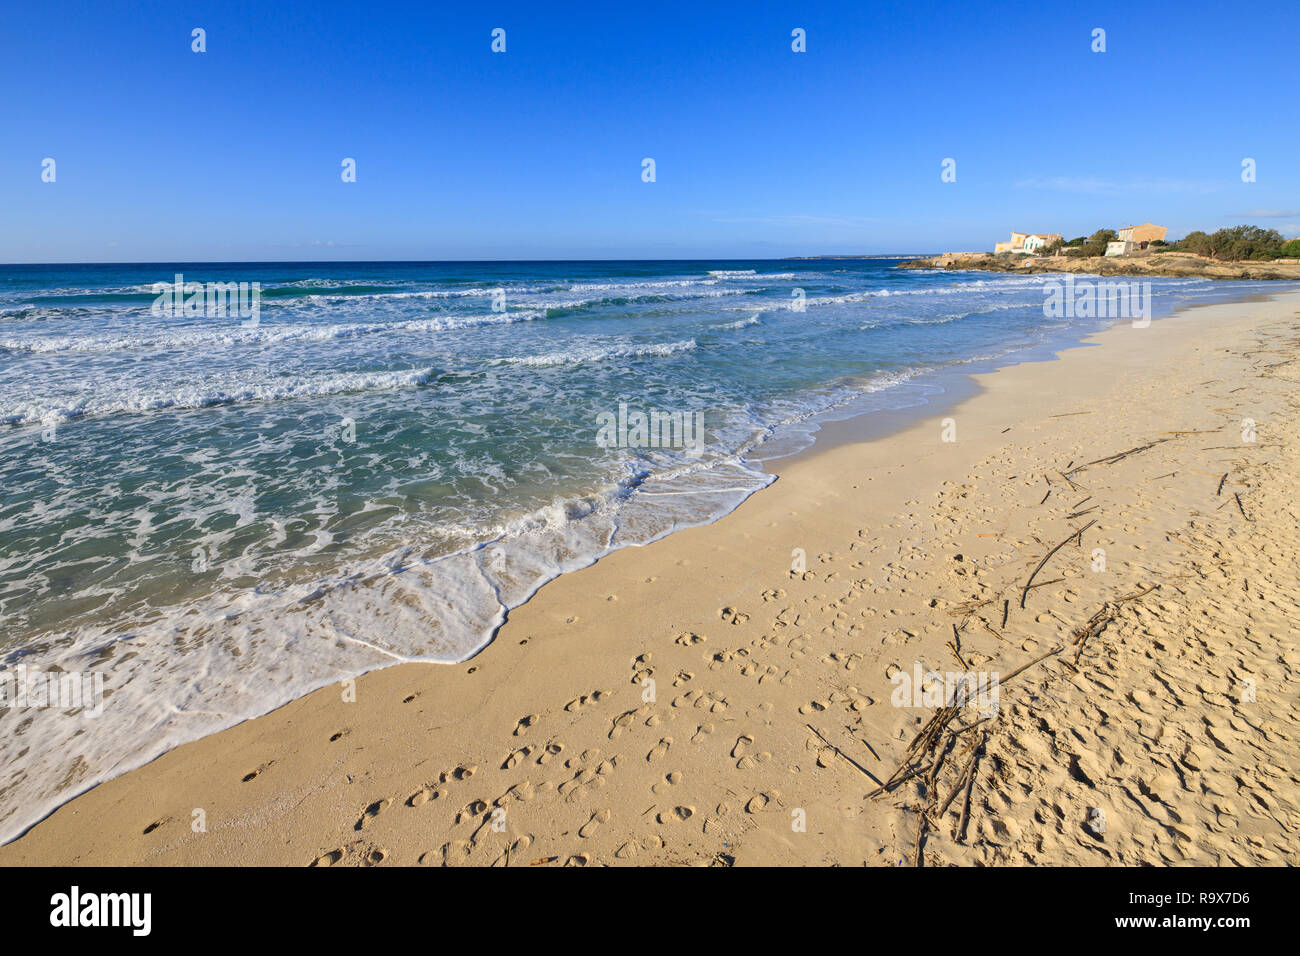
x=947 y=387
x=294 y=782
x=871 y=413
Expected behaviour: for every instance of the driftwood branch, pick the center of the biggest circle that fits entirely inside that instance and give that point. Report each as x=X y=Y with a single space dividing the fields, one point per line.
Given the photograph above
x=1073 y=534
x=861 y=769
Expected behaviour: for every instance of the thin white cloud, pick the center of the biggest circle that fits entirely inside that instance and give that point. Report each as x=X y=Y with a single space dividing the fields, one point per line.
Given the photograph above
x=1094 y=185
x=319 y=243
x=1267 y=214
x=799 y=220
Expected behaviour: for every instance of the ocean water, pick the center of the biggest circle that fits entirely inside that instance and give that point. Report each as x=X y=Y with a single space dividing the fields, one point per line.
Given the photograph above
x=217 y=516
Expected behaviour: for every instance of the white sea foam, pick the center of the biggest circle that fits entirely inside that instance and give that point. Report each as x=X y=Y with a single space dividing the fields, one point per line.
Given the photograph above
x=638 y=284
x=741 y=323
x=19 y=410
x=231 y=333
x=597 y=354
x=255 y=650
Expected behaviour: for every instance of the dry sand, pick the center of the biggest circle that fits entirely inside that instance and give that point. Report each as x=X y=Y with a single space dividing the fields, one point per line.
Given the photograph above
x=1174 y=712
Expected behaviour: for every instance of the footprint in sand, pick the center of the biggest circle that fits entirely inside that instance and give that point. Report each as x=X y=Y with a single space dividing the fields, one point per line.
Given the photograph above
x=422 y=796
x=669 y=780
x=742 y=746
x=752 y=760
x=372 y=811
x=659 y=750
x=621 y=723
x=641 y=668
x=515 y=757
x=524 y=723
x=730 y=615
x=327 y=859
x=523 y=843
x=759 y=672
x=577 y=786
x=720 y=658
x=551 y=750
x=676 y=815
x=471 y=810
x=689 y=640
x=633 y=847
x=599 y=818
x=758 y=803
x=449 y=854
x=258 y=772
x=712 y=702
x=595 y=697
x=521 y=791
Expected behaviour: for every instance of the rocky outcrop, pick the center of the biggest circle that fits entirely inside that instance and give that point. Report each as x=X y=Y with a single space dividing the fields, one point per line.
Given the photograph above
x=1150 y=264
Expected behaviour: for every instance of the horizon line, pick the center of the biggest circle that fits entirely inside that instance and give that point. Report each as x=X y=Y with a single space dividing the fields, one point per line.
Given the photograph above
x=289 y=262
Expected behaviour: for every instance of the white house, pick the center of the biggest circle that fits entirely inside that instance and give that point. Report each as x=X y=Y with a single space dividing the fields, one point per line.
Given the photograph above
x=1026 y=242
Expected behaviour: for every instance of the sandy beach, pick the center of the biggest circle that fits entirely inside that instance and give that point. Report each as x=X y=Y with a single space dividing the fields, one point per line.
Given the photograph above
x=728 y=696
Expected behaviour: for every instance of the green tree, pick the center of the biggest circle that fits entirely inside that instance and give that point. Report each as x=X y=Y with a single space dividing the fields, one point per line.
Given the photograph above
x=1197 y=243
x=1245 y=242
x=1234 y=243
x=1096 y=243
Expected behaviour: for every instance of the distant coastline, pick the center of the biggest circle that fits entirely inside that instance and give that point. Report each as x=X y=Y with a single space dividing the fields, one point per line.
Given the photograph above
x=1151 y=264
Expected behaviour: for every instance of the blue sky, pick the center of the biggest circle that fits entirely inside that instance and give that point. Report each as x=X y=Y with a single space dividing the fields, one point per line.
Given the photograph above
x=234 y=154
